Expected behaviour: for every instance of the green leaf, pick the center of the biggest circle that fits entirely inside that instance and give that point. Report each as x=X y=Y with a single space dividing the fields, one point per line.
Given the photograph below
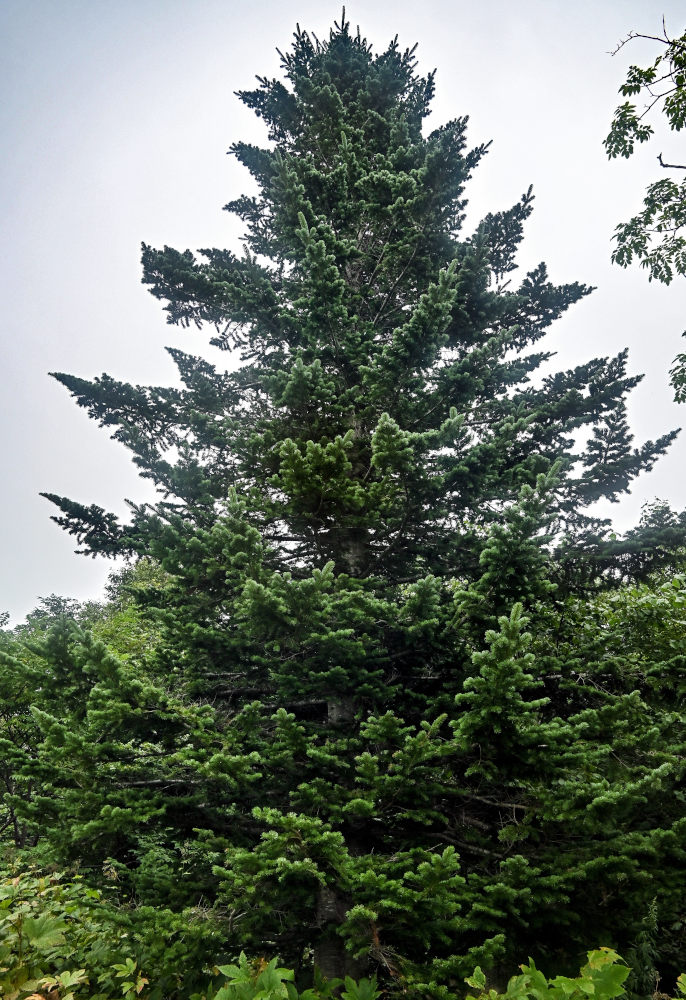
x=477 y=980
x=44 y=932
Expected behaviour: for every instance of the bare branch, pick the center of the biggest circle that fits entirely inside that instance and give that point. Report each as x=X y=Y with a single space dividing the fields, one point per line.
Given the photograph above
x=650 y=106
x=670 y=166
x=635 y=34
x=664 y=39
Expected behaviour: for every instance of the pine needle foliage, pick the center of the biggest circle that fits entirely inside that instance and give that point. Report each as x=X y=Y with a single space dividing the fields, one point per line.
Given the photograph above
x=367 y=731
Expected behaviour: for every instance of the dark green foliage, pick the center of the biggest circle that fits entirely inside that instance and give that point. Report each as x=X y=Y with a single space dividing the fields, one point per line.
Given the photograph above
x=655 y=235
x=369 y=725
x=57 y=933
x=62 y=939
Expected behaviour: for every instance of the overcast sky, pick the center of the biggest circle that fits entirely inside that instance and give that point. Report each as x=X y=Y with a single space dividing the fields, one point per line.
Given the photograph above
x=115 y=119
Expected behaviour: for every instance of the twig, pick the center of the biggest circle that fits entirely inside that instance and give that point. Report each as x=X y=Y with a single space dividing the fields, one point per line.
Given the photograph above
x=670 y=166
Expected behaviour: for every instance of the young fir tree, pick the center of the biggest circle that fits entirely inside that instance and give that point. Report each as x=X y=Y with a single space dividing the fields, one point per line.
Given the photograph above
x=354 y=528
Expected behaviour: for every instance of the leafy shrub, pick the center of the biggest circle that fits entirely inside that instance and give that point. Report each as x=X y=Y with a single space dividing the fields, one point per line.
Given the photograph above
x=263 y=980
x=57 y=937
x=61 y=938
x=602 y=978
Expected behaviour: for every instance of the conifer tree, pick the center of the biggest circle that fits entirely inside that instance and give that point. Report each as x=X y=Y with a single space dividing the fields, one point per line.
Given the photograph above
x=355 y=527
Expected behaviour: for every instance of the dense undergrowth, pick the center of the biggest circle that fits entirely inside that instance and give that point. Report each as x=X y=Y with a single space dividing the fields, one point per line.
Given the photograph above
x=60 y=940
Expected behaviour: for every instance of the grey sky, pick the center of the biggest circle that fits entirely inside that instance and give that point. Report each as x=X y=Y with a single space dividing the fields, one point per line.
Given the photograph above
x=115 y=121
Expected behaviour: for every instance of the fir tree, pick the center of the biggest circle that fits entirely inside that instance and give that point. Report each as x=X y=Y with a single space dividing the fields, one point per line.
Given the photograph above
x=353 y=528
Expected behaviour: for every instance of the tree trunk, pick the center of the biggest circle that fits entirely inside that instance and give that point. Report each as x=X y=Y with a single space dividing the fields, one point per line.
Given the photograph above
x=329 y=952
x=330 y=955
x=340 y=710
